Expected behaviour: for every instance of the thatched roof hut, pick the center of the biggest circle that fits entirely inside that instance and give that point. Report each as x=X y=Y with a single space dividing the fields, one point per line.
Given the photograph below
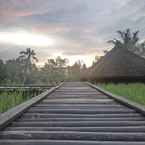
x=119 y=65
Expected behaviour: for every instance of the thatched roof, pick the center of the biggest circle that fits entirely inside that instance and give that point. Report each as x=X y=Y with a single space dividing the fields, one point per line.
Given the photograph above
x=119 y=63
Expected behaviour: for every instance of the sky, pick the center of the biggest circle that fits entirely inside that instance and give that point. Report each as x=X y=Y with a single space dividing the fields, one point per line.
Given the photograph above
x=74 y=29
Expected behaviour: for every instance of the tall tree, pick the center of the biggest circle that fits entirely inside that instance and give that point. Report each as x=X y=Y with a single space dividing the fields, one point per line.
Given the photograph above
x=141 y=49
x=55 y=69
x=14 y=71
x=27 y=57
x=60 y=62
x=128 y=40
x=2 y=71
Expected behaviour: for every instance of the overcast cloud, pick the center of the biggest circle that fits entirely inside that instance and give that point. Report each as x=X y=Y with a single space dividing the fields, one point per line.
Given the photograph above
x=79 y=27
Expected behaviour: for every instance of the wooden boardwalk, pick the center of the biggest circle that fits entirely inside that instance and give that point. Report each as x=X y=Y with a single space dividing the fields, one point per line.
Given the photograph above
x=75 y=114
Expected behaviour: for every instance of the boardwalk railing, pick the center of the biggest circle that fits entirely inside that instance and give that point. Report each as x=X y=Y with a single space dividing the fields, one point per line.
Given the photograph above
x=13 y=95
x=13 y=113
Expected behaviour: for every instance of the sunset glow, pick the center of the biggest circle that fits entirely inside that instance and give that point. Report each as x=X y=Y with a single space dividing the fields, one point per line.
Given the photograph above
x=26 y=39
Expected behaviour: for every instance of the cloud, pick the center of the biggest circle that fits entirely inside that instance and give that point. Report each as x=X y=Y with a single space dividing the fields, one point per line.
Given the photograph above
x=81 y=27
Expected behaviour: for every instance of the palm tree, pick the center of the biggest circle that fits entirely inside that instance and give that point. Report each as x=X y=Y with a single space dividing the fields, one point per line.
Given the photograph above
x=142 y=49
x=116 y=43
x=27 y=58
x=60 y=62
x=128 y=40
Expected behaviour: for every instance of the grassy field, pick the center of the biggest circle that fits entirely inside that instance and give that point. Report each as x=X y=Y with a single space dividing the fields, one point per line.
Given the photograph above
x=134 y=91
x=9 y=99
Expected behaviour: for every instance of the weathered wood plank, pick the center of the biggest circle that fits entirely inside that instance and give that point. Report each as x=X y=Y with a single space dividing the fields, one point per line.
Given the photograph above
x=73 y=135
x=81 y=111
x=78 y=123
x=82 y=129
x=37 y=119
x=66 y=142
x=29 y=115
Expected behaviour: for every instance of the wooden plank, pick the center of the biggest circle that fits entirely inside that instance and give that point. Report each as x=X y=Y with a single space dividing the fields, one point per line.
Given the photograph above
x=80 y=105
x=82 y=119
x=29 y=115
x=81 y=111
x=13 y=113
x=82 y=129
x=73 y=135
x=66 y=142
x=77 y=123
x=81 y=101
x=28 y=85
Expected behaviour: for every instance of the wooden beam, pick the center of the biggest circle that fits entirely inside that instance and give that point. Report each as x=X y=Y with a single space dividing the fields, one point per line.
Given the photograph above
x=66 y=142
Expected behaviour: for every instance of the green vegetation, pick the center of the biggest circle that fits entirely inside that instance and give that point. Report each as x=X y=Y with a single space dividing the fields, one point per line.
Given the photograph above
x=134 y=92
x=130 y=41
x=24 y=70
x=11 y=98
x=28 y=58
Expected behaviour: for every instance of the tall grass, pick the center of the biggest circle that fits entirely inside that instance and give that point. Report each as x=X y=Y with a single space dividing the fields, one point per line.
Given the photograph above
x=9 y=99
x=132 y=91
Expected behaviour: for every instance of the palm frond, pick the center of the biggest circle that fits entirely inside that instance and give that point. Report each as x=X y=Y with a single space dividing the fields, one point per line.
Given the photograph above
x=121 y=34
x=135 y=36
x=23 y=52
x=35 y=58
x=111 y=41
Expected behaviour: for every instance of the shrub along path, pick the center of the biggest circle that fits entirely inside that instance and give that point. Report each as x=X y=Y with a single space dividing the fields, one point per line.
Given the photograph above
x=134 y=91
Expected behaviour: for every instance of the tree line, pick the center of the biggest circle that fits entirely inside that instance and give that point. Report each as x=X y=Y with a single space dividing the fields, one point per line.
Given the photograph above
x=23 y=70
